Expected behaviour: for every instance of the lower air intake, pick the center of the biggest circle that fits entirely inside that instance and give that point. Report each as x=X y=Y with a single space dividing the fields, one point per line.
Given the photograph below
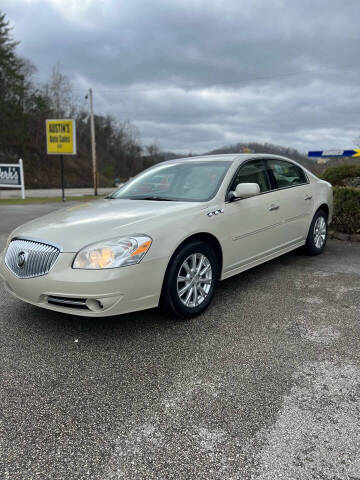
x=68 y=302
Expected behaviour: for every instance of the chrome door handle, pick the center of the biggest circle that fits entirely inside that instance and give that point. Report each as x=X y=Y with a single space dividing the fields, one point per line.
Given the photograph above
x=274 y=207
x=308 y=197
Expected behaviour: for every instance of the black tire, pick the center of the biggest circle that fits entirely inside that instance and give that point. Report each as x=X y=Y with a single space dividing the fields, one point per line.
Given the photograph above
x=170 y=302
x=312 y=246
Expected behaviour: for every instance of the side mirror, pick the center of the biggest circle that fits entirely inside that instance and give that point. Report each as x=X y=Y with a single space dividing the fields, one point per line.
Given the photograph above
x=244 y=190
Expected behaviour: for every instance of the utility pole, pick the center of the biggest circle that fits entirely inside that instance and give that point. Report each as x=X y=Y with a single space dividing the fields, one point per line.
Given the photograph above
x=93 y=142
x=62 y=177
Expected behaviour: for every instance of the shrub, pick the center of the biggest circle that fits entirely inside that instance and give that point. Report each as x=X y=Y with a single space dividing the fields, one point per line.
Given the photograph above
x=346 y=209
x=340 y=174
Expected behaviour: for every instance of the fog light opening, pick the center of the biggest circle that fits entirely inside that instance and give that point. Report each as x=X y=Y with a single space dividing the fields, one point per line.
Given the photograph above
x=94 y=305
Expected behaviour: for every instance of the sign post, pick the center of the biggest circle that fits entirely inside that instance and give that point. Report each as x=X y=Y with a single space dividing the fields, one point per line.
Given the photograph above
x=61 y=140
x=62 y=177
x=93 y=141
x=12 y=176
x=22 y=180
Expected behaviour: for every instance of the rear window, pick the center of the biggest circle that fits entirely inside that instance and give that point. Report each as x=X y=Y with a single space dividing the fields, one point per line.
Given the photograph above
x=287 y=174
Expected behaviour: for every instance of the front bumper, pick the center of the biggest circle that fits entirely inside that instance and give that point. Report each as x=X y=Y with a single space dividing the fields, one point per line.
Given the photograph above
x=113 y=291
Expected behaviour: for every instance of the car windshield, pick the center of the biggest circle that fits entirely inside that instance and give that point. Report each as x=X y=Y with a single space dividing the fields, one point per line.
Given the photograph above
x=187 y=181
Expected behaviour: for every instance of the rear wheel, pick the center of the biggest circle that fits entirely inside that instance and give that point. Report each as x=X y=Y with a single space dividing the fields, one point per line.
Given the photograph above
x=318 y=232
x=190 y=281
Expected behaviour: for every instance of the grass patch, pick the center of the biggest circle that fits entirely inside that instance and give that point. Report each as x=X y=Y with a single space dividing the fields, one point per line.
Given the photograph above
x=20 y=201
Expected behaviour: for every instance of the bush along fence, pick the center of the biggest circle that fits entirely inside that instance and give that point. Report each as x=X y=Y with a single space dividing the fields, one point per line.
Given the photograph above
x=346 y=182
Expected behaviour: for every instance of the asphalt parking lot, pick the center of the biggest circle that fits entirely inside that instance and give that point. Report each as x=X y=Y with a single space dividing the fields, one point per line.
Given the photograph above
x=265 y=385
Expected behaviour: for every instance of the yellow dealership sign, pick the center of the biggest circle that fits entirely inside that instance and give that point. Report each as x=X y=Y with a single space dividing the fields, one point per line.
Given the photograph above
x=61 y=137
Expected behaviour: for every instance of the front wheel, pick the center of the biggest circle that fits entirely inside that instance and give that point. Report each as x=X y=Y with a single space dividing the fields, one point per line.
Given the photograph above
x=318 y=232
x=190 y=281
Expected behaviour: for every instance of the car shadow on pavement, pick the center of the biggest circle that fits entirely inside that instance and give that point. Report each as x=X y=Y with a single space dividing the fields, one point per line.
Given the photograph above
x=129 y=324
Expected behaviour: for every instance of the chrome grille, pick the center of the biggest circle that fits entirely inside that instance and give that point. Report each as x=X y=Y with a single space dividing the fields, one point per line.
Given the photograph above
x=30 y=258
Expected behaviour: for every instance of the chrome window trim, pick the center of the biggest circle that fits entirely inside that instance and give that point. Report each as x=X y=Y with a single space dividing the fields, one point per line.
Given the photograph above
x=265 y=159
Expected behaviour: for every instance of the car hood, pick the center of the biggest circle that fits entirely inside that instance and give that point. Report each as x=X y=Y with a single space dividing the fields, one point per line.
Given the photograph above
x=76 y=226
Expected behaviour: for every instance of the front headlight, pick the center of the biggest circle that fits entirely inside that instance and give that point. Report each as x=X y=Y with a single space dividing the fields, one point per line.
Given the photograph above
x=116 y=252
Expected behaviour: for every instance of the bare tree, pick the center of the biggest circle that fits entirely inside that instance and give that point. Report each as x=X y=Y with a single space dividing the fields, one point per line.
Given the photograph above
x=59 y=91
x=153 y=150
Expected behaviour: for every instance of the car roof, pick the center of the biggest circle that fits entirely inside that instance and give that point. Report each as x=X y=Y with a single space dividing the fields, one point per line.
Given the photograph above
x=208 y=158
x=227 y=156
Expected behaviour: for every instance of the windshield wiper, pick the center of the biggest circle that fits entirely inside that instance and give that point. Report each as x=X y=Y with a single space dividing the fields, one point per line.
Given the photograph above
x=153 y=197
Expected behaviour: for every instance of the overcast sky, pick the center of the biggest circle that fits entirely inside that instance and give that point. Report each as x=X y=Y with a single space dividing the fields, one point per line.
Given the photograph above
x=200 y=74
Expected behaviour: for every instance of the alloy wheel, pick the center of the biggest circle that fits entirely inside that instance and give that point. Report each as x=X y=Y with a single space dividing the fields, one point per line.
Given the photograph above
x=320 y=232
x=194 y=280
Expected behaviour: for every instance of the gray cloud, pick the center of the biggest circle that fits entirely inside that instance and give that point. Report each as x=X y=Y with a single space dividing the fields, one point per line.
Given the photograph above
x=199 y=74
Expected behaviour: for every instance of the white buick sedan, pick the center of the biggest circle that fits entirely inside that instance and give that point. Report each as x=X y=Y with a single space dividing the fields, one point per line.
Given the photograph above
x=168 y=235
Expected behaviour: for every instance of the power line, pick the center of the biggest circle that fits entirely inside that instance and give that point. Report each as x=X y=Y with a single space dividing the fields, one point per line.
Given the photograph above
x=227 y=82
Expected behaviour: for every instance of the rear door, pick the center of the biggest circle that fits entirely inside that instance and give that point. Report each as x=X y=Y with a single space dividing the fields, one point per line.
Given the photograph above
x=292 y=196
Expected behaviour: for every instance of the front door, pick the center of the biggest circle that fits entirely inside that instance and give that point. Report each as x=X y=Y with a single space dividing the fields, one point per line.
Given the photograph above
x=252 y=224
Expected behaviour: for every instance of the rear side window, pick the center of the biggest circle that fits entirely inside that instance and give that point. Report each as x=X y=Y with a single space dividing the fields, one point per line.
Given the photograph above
x=252 y=172
x=287 y=174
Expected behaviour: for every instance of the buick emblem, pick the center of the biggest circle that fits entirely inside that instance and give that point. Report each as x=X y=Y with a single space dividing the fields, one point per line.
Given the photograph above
x=21 y=259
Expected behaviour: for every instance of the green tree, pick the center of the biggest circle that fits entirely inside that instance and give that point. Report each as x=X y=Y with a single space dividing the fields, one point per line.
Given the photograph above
x=19 y=99
x=9 y=62
x=10 y=80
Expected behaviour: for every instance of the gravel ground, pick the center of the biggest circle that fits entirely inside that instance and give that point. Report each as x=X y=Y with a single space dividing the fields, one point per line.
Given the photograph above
x=265 y=385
